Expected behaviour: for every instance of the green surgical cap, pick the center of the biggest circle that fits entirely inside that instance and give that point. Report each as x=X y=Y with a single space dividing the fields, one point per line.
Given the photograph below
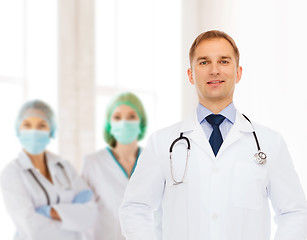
x=36 y=108
x=132 y=101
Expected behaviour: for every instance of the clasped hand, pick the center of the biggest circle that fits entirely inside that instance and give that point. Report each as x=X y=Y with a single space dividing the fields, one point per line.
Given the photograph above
x=81 y=198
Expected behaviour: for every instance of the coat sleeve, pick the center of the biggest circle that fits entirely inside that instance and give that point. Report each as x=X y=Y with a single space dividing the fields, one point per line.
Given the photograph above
x=287 y=196
x=143 y=196
x=88 y=175
x=21 y=208
x=76 y=217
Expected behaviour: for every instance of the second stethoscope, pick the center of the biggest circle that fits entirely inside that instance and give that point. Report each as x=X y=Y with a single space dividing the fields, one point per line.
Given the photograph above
x=42 y=186
x=260 y=156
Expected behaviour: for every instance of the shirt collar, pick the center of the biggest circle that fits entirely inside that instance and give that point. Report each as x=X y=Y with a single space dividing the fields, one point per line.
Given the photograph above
x=229 y=112
x=25 y=162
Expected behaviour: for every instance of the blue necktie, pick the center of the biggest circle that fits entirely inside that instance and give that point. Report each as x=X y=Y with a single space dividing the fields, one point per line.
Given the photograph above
x=216 y=139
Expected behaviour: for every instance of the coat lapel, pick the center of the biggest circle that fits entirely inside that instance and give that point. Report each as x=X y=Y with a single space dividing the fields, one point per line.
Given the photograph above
x=193 y=130
x=24 y=161
x=240 y=126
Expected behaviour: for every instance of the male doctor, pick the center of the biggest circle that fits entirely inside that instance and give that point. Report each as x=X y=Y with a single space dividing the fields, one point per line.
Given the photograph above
x=218 y=191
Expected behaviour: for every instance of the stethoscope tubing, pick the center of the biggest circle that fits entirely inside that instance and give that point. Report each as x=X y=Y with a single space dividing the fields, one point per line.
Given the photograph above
x=178 y=139
x=260 y=157
x=41 y=185
x=254 y=133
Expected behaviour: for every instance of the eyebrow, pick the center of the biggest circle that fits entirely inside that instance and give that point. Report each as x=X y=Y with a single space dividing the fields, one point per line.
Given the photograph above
x=133 y=112
x=206 y=58
x=226 y=57
x=202 y=58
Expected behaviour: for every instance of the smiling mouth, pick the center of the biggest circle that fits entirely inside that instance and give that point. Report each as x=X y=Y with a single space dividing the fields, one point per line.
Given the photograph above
x=215 y=82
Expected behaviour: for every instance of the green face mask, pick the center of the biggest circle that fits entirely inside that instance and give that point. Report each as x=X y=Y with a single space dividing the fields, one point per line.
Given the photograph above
x=125 y=132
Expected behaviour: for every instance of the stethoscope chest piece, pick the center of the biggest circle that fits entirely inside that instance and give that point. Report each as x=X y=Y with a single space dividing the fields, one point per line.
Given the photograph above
x=260 y=157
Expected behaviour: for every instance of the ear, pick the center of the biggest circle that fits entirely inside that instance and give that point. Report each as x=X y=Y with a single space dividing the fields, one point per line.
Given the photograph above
x=190 y=75
x=239 y=74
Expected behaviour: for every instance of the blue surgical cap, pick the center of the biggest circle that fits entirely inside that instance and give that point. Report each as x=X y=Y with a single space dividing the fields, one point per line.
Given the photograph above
x=36 y=108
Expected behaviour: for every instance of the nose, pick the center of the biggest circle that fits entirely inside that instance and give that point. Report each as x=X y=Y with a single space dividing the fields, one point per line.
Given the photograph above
x=214 y=69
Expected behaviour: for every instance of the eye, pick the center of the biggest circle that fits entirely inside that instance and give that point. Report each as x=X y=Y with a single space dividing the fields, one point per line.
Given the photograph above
x=204 y=63
x=132 y=117
x=42 y=126
x=224 y=61
x=116 y=118
x=26 y=125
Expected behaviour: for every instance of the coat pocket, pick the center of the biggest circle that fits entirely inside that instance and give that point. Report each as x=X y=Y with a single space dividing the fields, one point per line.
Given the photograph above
x=248 y=189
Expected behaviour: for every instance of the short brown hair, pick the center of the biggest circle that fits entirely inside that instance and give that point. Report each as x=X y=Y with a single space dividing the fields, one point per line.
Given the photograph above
x=210 y=35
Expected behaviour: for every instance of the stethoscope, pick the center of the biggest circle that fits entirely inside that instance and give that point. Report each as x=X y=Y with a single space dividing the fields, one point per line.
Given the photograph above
x=259 y=157
x=42 y=186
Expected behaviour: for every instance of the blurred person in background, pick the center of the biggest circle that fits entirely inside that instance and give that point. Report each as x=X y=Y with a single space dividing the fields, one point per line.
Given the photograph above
x=108 y=171
x=43 y=193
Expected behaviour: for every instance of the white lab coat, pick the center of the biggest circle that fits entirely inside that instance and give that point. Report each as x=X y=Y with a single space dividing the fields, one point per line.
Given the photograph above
x=22 y=195
x=224 y=197
x=108 y=181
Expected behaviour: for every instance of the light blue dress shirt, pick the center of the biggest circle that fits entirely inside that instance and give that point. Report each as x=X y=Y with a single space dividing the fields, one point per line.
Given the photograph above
x=230 y=116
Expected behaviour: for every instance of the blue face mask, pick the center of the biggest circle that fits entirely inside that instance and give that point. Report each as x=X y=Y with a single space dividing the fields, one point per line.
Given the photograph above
x=34 y=141
x=125 y=132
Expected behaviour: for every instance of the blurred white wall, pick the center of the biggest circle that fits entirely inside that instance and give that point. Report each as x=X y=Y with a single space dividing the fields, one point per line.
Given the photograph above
x=191 y=25
x=76 y=79
x=139 y=51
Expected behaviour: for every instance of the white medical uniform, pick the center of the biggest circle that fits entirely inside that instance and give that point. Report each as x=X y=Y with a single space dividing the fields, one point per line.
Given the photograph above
x=108 y=180
x=23 y=194
x=223 y=197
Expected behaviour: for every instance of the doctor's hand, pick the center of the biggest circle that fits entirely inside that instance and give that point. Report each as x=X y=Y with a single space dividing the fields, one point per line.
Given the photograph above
x=44 y=210
x=54 y=214
x=48 y=212
x=83 y=196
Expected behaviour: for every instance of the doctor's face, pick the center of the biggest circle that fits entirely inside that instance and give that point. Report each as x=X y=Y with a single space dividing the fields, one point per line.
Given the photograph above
x=214 y=71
